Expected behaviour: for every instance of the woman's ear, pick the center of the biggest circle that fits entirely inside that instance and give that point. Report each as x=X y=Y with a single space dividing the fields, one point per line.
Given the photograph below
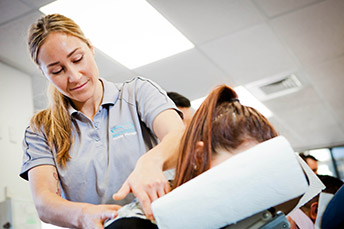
x=199 y=146
x=313 y=211
x=198 y=155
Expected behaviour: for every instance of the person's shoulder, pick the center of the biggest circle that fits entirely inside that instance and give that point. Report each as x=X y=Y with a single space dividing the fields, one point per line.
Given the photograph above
x=136 y=83
x=137 y=79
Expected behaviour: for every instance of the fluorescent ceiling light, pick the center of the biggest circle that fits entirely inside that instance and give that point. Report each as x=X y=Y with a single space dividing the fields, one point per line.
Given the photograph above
x=132 y=32
x=245 y=97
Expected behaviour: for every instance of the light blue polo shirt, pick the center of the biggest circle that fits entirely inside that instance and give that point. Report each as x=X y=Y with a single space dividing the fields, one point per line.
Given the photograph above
x=104 y=151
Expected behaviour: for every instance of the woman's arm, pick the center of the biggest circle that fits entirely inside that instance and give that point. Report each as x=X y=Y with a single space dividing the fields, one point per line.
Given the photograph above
x=147 y=182
x=53 y=209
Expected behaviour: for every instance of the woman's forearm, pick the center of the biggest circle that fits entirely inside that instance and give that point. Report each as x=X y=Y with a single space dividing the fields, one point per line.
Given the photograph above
x=169 y=128
x=58 y=211
x=165 y=153
x=54 y=209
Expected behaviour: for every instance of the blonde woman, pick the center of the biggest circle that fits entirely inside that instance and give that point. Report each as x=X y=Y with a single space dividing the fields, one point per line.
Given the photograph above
x=96 y=138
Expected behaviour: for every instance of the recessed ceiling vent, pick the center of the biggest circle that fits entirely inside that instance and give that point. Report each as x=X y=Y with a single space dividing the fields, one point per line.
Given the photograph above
x=275 y=87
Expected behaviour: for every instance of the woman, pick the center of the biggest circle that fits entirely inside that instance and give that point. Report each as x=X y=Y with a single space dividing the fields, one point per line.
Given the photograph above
x=220 y=128
x=92 y=139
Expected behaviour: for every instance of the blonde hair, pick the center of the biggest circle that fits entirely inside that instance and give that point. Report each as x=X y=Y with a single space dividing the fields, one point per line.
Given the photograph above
x=55 y=121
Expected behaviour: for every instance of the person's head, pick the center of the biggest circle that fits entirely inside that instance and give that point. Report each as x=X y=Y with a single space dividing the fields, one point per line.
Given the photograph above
x=311 y=161
x=65 y=57
x=221 y=127
x=183 y=104
x=332 y=184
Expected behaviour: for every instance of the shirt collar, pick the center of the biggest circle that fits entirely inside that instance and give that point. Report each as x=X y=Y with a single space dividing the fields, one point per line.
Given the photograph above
x=111 y=93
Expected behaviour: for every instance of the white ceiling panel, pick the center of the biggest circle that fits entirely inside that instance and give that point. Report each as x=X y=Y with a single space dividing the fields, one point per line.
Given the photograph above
x=327 y=78
x=111 y=69
x=277 y=7
x=236 y=42
x=13 y=45
x=206 y=20
x=37 y=3
x=11 y=9
x=300 y=100
x=284 y=130
x=331 y=135
x=315 y=33
x=250 y=54
x=189 y=73
x=307 y=114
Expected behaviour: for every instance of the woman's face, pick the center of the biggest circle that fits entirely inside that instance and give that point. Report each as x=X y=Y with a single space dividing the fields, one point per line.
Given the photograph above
x=69 y=64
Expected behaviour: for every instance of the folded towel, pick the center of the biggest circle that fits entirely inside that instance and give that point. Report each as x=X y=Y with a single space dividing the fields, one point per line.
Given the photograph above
x=263 y=176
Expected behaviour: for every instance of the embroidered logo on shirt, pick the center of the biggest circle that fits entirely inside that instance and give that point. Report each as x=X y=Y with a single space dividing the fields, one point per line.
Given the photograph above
x=123 y=130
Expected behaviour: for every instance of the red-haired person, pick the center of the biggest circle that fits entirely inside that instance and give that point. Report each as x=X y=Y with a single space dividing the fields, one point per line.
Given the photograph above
x=220 y=128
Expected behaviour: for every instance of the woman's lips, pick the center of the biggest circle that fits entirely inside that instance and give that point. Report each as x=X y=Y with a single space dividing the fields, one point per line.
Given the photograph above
x=79 y=87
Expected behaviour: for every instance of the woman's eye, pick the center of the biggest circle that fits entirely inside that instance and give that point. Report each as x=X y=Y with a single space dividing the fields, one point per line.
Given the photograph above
x=78 y=58
x=57 y=71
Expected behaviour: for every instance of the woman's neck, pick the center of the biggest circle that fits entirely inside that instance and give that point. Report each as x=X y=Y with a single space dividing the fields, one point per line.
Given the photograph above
x=91 y=106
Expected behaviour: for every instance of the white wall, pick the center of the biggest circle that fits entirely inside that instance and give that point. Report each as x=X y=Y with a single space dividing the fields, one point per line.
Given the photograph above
x=16 y=102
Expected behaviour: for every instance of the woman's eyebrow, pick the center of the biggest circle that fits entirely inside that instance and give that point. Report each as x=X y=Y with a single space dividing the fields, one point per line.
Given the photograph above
x=57 y=62
x=49 y=65
x=71 y=53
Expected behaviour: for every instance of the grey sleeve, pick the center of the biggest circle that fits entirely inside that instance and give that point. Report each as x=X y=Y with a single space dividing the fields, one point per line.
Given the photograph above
x=36 y=152
x=151 y=100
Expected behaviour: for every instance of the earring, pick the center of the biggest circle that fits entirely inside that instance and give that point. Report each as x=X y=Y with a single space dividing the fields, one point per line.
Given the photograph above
x=194 y=166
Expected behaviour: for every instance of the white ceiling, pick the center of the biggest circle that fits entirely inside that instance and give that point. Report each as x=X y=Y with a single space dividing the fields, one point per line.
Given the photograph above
x=236 y=42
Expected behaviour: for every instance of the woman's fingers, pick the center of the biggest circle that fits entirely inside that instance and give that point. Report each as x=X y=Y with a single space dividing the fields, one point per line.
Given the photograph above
x=122 y=192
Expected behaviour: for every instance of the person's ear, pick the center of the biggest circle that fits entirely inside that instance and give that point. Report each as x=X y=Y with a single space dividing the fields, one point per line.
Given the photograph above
x=199 y=147
x=313 y=211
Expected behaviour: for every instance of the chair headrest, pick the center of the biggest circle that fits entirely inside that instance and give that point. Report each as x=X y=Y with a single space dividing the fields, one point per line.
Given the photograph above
x=263 y=176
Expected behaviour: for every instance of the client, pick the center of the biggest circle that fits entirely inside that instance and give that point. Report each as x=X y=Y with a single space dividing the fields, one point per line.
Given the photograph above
x=220 y=128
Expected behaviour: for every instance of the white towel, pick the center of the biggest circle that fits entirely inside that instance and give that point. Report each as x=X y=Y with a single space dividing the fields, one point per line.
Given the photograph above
x=301 y=219
x=266 y=175
x=315 y=184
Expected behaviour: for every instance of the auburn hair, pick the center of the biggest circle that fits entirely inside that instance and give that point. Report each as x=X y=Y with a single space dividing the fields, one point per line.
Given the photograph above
x=221 y=122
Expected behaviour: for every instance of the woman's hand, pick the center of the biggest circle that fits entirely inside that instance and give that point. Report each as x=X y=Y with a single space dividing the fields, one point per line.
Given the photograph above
x=94 y=216
x=147 y=182
x=54 y=209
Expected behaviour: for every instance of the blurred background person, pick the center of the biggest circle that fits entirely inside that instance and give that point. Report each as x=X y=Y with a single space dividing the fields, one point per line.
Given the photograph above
x=183 y=104
x=311 y=161
x=306 y=216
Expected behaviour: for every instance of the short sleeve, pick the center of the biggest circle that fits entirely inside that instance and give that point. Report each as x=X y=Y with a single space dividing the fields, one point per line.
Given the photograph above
x=36 y=152
x=151 y=100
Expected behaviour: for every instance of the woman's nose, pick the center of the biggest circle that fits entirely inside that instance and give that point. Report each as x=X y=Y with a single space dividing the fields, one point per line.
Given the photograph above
x=74 y=74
